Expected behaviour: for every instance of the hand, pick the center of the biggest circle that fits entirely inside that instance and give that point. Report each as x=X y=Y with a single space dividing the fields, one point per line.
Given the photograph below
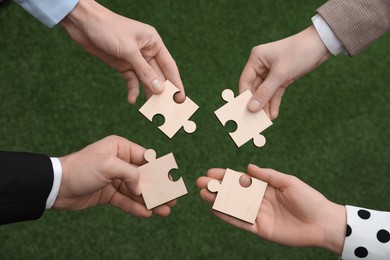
x=102 y=173
x=273 y=66
x=291 y=213
x=132 y=48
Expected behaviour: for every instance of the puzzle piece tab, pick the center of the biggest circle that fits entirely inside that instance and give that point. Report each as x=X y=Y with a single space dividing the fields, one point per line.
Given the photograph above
x=176 y=115
x=156 y=187
x=236 y=200
x=249 y=124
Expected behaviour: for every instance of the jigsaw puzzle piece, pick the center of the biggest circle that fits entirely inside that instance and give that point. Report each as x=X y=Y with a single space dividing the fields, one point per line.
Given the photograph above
x=235 y=200
x=156 y=187
x=249 y=124
x=176 y=115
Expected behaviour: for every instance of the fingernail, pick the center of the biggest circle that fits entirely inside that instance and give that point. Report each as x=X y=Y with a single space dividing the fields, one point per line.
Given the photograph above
x=157 y=86
x=254 y=105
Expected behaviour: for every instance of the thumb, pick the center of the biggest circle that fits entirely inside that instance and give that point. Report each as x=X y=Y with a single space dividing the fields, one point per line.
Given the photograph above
x=264 y=93
x=125 y=172
x=146 y=73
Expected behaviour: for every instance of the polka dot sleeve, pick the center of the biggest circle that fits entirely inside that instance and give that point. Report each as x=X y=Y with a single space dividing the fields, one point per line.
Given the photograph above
x=367 y=235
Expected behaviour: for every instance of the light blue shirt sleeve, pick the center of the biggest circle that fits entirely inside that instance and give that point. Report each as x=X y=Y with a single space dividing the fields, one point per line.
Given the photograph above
x=49 y=12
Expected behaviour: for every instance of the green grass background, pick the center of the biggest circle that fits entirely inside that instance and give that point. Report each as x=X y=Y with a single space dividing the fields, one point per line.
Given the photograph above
x=332 y=131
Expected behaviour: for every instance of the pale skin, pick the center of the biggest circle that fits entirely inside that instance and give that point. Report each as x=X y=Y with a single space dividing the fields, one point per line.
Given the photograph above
x=291 y=213
x=273 y=66
x=105 y=173
x=132 y=48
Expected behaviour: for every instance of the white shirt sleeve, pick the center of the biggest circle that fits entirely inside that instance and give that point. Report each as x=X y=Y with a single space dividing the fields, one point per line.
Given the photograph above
x=49 y=12
x=328 y=37
x=57 y=170
x=368 y=234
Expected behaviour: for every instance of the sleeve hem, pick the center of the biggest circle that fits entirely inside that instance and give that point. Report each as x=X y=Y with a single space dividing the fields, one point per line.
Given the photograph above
x=57 y=170
x=48 y=12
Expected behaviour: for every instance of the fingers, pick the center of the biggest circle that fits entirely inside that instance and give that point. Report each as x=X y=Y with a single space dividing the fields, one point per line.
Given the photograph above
x=274 y=104
x=124 y=149
x=146 y=73
x=274 y=178
x=234 y=221
x=247 y=78
x=132 y=86
x=165 y=209
x=155 y=66
x=130 y=206
x=209 y=197
x=215 y=173
x=162 y=210
x=128 y=174
x=252 y=79
x=201 y=182
x=264 y=93
x=171 y=72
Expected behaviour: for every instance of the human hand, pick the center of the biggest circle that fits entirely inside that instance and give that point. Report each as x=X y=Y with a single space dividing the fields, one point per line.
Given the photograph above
x=102 y=173
x=291 y=213
x=132 y=48
x=271 y=67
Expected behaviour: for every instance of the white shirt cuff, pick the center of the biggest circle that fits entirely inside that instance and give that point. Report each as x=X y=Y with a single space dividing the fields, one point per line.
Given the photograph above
x=328 y=37
x=49 y=12
x=57 y=170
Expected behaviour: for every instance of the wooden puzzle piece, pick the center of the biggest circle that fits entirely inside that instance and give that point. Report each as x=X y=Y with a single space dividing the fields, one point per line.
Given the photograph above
x=236 y=200
x=176 y=115
x=156 y=187
x=249 y=124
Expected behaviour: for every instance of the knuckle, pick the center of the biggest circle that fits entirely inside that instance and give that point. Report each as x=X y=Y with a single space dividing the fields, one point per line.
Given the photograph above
x=262 y=93
x=147 y=72
x=168 y=65
x=107 y=163
x=256 y=50
x=293 y=179
x=112 y=137
x=151 y=29
x=153 y=33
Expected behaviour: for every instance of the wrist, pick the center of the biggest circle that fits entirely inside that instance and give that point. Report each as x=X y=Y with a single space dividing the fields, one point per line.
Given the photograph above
x=334 y=228
x=84 y=10
x=315 y=38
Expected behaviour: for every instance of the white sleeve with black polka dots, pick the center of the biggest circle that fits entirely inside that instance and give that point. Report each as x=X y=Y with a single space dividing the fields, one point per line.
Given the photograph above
x=367 y=235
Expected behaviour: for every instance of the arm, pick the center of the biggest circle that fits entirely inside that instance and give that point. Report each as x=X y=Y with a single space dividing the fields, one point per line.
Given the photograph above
x=357 y=23
x=102 y=173
x=291 y=213
x=48 y=12
x=25 y=183
x=273 y=66
x=134 y=49
x=368 y=234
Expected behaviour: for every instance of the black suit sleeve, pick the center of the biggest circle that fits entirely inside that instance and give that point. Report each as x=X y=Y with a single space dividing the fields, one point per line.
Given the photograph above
x=26 y=180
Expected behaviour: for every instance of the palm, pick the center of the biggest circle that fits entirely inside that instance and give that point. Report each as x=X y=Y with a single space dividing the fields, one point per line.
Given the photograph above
x=132 y=48
x=282 y=218
x=291 y=212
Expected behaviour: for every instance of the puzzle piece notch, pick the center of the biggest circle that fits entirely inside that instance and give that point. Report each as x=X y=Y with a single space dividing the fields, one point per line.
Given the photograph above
x=235 y=200
x=176 y=115
x=249 y=124
x=156 y=186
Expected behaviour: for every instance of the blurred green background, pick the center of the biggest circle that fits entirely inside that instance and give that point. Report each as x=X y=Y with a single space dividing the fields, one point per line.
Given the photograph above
x=332 y=131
